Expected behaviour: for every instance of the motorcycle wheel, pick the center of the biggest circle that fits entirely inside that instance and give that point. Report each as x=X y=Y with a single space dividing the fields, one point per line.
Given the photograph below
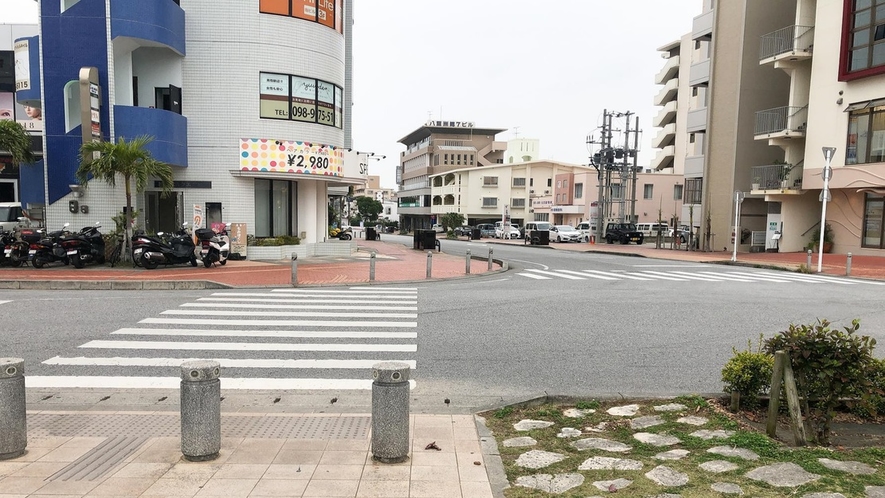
x=223 y=262
x=194 y=260
x=18 y=257
x=207 y=262
x=78 y=260
x=148 y=263
x=346 y=236
x=38 y=262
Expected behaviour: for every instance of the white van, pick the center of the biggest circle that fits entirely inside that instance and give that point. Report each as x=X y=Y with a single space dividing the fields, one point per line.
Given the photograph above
x=587 y=229
x=651 y=230
x=535 y=225
x=10 y=212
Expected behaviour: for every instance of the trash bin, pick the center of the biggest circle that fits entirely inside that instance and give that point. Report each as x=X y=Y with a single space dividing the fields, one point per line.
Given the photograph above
x=371 y=233
x=540 y=237
x=416 y=239
x=475 y=234
x=428 y=240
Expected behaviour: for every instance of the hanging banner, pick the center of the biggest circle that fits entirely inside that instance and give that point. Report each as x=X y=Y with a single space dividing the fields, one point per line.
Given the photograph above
x=287 y=156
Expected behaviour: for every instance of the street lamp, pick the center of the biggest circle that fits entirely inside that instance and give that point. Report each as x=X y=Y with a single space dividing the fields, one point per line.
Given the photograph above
x=827 y=173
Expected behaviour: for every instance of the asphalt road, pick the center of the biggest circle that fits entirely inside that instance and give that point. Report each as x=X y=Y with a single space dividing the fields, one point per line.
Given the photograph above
x=557 y=322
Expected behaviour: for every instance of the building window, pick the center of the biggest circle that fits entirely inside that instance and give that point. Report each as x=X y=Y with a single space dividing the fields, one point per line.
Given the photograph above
x=866 y=133
x=519 y=182
x=549 y=182
x=275 y=207
x=559 y=184
x=490 y=181
x=677 y=192
x=579 y=190
x=863 y=39
x=296 y=98
x=565 y=184
x=445 y=159
x=517 y=203
x=328 y=13
x=531 y=182
x=617 y=191
x=873 y=227
x=693 y=189
x=648 y=191
x=489 y=202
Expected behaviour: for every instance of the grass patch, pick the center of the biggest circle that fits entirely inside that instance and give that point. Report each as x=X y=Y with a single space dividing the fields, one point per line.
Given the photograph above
x=602 y=425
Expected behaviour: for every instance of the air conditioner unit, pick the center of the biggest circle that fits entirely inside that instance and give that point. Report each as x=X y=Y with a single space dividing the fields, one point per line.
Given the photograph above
x=532 y=191
x=546 y=191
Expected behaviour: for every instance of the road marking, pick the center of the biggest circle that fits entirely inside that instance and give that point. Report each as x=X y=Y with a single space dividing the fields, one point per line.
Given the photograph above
x=671 y=266
x=292 y=313
x=412 y=289
x=584 y=274
x=293 y=301
x=101 y=382
x=354 y=292
x=306 y=299
x=555 y=274
x=618 y=275
x=4 y=302
x=246 y=346
x=225 y=363
x=274 y=323
x=296 y=307
x=532 y=275
x=695 y=276
x=739 y=278
x=776 y=278
x=543 y=267
x=267 y=333
x=659 y=275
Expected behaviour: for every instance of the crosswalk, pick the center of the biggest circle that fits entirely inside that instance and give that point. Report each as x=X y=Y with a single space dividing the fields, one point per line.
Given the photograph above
x=693 y=276
x=293 y=339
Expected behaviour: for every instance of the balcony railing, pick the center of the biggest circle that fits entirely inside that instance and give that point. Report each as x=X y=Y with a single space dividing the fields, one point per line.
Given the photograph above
x=782 y=120
x=778 y=176
x=784 y=40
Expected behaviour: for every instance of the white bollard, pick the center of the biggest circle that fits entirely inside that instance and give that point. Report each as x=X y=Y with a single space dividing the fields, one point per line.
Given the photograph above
x=390 y=412
x=200 y=410
x=13 y=417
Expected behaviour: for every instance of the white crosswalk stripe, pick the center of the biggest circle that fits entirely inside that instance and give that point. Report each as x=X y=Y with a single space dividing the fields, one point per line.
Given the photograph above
x=330 y=342
x=555 y=274
x=616 y=276
x=699 y=275
x=4 y=302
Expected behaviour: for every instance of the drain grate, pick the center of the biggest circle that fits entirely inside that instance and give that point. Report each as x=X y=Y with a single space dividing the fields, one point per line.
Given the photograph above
x=168 y=425
x=100 y=460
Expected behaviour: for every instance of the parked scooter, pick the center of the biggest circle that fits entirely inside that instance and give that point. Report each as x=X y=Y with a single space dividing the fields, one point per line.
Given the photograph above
x=152 y=251
x=85 y=246
x=47 y=248
x=10 y=243
x=214 y=247
x=342 y=234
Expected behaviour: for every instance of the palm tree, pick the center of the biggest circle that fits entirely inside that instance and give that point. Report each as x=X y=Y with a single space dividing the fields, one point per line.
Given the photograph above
x=15 y=140
x=105 y=160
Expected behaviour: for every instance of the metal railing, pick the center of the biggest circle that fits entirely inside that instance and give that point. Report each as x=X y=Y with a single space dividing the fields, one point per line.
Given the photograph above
x=789 y=39
x=787 y=118
x=778 y=176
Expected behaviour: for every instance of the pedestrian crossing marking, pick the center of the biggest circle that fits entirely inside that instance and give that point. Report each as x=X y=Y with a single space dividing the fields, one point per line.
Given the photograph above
x=295 y=307
x=291 y=313
x=4 y=302
x=247 y=346
x=273 y=323
x=225 y=362
x=685 y=276
x=617 y=275
x=283 y=334
x=555 y=274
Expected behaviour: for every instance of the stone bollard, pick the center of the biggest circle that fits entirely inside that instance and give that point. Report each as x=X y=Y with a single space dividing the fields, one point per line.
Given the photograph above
x=429 y=263
x=808 y=261
x=490 y=259
x=372 y=267
x=390 y=412
x=848 y=265
x=200 y=410
x=13 y=418
x=294 y=270
x=467 y=263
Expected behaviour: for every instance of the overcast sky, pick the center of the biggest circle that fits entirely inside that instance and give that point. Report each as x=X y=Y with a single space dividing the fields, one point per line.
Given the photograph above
x=543 y=70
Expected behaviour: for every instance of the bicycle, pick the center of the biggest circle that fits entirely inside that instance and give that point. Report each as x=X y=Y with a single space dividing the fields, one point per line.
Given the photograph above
x=114 y=258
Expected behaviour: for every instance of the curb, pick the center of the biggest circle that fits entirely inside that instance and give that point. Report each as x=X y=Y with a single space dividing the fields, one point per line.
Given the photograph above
x=112 y=285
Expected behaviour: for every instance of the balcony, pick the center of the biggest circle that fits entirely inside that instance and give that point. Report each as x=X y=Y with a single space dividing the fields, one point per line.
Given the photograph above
x=668 y=93
x=670 y=69
x=666 y=115
x=664 y=158
x=694 y=166
x=159 y=21
x=699 y=74
x=702 y=26
x=696 y=120
x=664 y=137
x=168 y=128
x=781 y=122
x=793 y=43
x=778 y=177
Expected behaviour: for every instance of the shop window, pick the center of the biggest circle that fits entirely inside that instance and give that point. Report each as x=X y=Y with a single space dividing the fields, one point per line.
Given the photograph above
x=866 y=133
x=873 y=228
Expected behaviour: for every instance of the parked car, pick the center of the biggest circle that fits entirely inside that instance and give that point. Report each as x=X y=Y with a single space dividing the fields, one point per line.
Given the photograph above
x=651 y=230
x=438 y=228
x=10 y=212
x=623 y=233
x=504 y=233
x=486 y=229
x=463 y=230
x=564 y=233
x=535 y=225
x=683 y=233
x=587 y=229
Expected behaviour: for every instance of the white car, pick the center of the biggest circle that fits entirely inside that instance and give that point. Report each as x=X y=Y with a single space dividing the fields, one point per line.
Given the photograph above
x=564 y=233
x=513 y=233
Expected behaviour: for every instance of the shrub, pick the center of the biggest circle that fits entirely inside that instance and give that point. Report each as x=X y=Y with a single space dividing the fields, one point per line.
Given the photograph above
x=748 y=372
x=830 y=365
x=282 y=240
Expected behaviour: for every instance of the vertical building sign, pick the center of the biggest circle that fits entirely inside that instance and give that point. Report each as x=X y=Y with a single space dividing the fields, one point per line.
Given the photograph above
x=22 y=65
x=95 y=112
x=90 y=105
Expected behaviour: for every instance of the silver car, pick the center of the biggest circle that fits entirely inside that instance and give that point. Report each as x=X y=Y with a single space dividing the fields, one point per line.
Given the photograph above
x=564 y=233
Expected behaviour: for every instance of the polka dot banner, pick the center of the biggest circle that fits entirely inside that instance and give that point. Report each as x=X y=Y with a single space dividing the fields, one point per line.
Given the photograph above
x=287 y=156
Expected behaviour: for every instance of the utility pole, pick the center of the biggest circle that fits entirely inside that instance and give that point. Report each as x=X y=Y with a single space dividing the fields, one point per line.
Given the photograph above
x=608 y=160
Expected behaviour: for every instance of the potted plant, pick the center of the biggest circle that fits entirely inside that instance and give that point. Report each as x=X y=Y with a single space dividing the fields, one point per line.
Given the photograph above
x=755 y=185
x=784 y=173
x=828 y=239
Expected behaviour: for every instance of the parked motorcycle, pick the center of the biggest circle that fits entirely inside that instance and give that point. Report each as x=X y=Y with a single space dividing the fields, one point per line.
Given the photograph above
x=47 y=248
x=152 y=251
x=85 y=246
x=342 y=234
x=214 y=247
x=15 y=251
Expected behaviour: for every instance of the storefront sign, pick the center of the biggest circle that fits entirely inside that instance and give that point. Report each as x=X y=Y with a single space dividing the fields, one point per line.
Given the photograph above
x=286 y=156
x=22 y=65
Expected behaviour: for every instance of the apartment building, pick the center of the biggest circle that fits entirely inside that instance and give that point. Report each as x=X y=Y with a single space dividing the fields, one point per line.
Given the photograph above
x=439 y=147
x=372 y=188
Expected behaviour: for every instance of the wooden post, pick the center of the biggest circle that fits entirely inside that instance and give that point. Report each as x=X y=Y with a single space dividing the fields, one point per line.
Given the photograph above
x=796 y=423
x=774 y=402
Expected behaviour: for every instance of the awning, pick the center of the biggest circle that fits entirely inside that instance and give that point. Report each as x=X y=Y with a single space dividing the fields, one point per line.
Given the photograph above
x=864 y=105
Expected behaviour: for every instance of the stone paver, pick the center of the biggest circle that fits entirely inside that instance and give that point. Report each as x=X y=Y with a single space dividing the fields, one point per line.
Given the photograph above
x=656 y=439
x=529 y=424
x=556 y=484
x=568 y=432
x=600 y=427
x=623 y=411
x=727 y=488
x=782 y=475
x=609 y=463
x=823 y=495
x=518 y=442
x=717 y=434
x=577 y=413
x=646 y=422
x=537 y=459
x=595 y=443
x=730 y=451
x=874 y=491
x=717 y=466
x=665 y=476
x=612 y=486
x=670 y=407
x=666 y=495
x=855 y=468
x=693 y=420
x=672 y=455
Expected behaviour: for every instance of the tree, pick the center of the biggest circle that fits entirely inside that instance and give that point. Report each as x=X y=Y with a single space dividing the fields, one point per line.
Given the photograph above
x=131 y=161
x=451 y=221
x=15 y=140
x=368 y=208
